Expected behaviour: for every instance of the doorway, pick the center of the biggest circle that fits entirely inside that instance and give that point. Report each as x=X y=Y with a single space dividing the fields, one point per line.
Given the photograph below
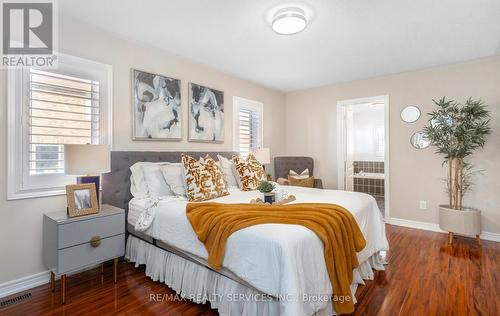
x=363 y=148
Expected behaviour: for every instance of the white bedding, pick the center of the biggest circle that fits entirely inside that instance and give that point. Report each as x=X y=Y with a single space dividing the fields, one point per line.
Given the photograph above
x=277 y=259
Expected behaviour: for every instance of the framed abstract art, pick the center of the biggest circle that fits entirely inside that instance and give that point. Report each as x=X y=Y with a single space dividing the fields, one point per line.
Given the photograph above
x=206 y=114
x=157 y=109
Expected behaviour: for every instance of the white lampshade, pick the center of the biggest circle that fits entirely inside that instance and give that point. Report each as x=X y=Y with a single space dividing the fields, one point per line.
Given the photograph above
x=263 y=155
x=87 y=159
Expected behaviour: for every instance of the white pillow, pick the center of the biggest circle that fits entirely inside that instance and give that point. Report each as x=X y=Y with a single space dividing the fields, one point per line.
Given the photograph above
x=303 y=175
x=138 y=186
x=226 y=166
x=134 y=189
x=156 y=184
x=173 y=173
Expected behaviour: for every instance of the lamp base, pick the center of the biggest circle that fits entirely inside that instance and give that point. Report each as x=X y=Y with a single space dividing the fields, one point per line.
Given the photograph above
x=96 y=180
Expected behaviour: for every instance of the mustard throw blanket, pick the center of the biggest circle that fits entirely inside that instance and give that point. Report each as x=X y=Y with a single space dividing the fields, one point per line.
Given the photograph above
x=213 y=223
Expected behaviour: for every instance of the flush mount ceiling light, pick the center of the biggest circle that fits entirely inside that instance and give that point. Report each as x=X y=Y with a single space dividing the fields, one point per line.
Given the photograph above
x=289 y=20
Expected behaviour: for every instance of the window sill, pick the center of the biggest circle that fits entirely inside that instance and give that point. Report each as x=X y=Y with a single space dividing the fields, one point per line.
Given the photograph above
x=12 y=196
x=36 y=194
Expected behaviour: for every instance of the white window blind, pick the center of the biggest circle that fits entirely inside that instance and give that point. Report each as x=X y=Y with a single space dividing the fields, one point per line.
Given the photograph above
x=248 y=125
x=62 y=110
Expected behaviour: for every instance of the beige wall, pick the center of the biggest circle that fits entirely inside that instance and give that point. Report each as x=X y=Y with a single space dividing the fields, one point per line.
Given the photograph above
x=21 y=220
x=415 y=174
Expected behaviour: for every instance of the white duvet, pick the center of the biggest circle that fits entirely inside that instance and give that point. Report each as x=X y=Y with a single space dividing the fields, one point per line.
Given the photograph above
x=277 y=259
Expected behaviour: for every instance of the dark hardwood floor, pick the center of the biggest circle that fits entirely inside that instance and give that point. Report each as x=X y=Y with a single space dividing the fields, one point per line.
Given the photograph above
x=425 y=276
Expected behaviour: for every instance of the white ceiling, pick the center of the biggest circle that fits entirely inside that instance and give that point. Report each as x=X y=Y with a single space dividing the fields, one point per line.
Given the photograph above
x=346 y=39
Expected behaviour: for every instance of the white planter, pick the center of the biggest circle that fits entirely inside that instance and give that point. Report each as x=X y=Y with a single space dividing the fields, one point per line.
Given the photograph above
x=464 y=222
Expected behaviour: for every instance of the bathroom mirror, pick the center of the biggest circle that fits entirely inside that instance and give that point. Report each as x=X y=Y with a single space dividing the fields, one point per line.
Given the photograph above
x=410 y=114
x=419 y=141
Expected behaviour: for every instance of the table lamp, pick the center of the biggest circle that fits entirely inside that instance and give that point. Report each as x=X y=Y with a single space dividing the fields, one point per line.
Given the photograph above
x=263 y=156
x=87 y=162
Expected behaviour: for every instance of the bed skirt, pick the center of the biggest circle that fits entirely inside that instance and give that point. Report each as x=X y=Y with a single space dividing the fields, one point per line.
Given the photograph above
x=200 y=284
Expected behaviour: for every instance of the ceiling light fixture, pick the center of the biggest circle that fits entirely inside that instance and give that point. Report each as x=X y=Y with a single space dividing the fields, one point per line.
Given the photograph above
x=290 y=20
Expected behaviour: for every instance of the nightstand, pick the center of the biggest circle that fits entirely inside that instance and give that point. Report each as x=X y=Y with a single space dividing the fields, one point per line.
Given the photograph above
x=72 y=244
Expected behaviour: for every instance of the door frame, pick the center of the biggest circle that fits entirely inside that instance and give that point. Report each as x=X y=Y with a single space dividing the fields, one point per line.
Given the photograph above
x=341 y=154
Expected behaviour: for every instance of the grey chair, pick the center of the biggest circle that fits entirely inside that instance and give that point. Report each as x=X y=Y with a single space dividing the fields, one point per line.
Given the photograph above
x=283 y=165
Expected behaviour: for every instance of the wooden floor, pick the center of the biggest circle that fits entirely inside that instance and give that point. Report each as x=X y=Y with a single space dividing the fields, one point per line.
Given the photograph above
x=425 y=276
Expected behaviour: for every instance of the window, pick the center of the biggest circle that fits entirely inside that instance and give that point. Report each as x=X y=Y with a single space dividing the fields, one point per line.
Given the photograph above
x=46 y=159
x=247 y=126
x=50 y=108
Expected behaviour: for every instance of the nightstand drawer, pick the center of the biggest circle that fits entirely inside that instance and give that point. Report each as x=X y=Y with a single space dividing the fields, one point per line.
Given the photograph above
x=75 y=233
x=74 y=258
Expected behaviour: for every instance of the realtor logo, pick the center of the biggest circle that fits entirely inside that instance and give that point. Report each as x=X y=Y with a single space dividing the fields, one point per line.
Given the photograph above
x=28 y=30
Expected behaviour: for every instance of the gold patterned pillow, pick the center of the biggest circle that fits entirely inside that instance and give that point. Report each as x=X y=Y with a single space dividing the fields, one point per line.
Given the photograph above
x=250 y=172
x=204 y=180
x=307 y=182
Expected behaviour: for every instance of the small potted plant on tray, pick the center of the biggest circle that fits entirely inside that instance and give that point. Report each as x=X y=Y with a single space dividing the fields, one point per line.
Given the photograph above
x=456 y=131
x=267 y=187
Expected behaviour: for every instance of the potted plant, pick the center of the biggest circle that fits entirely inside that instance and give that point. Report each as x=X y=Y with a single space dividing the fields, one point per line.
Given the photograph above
x=457 y=130
x=267 y=187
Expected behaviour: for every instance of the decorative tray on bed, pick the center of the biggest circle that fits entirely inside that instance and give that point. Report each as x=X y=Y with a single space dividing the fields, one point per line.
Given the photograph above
x=289 y=199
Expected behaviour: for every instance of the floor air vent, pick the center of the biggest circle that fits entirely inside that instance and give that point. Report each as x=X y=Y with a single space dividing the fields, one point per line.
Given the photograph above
x=14 y=300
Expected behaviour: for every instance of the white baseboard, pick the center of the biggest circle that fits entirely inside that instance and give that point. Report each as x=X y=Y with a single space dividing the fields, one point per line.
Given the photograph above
x=435 y=228
x=490 y=236
x=24 y=283
x=31 y=281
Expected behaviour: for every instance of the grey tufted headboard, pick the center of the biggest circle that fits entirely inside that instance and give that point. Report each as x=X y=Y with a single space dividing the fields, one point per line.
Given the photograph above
x=116 y=184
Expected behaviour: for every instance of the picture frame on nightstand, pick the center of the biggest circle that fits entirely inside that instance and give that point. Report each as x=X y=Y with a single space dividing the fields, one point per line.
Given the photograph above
x=82 y=199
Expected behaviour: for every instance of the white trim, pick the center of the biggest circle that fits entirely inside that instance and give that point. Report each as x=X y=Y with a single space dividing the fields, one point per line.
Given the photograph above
x=415 y=224
x=35 y=194
x=14 y=120
x=387 y=158
x=435 y=228
x=109 y=107
x=490 y=236
x=34 y=280
x=341 y=144
x=24 y=283
x=239 y=102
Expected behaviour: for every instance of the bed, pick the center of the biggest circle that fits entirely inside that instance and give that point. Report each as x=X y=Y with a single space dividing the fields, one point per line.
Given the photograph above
x=271 y=269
